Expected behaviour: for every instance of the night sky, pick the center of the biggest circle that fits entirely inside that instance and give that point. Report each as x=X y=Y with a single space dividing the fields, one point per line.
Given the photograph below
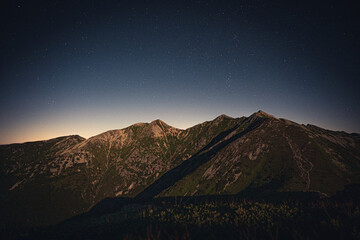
x=84 y=67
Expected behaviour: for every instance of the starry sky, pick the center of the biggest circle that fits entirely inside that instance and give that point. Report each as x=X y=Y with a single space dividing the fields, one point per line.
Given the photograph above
x=84 y=67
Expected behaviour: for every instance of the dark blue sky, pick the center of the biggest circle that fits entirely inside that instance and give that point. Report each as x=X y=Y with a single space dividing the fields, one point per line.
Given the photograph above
x=90 y=66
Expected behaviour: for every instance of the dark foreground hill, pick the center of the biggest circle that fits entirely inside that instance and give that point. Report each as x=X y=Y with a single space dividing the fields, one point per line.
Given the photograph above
x=46 y=182
x=296 y=215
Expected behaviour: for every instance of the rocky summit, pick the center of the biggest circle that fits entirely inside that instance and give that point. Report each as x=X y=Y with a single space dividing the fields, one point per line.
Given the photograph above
x=46 y=182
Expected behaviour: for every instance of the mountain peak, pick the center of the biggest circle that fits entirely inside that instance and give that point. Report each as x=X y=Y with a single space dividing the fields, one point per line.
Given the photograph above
x=161 y=124
x=262 y=114
x=158 y=122
x=158 y=128
x=223 y=116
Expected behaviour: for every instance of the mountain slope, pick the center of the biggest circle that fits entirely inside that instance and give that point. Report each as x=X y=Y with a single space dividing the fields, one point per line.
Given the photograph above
x=299 y=158
x=33 y=183
x=83 y=172
x=48 y=181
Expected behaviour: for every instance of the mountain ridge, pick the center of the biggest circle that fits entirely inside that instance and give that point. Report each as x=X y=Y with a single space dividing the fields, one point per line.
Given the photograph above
x=148 y=160
x=259 y=113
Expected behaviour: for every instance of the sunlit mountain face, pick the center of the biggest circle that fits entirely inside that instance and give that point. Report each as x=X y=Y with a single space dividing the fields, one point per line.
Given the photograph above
x=141 y=120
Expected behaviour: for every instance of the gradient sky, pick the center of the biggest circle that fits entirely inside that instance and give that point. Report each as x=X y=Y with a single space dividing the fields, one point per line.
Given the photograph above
x=84 y=67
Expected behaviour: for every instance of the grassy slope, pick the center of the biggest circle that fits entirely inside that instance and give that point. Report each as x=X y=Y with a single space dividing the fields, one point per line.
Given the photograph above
x=292 y=154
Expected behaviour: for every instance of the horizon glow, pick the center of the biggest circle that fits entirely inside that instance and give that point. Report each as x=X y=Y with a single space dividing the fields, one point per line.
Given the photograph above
x=88 y=68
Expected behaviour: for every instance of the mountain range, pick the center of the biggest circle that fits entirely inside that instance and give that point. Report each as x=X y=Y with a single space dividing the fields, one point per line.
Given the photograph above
x=46 y=182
